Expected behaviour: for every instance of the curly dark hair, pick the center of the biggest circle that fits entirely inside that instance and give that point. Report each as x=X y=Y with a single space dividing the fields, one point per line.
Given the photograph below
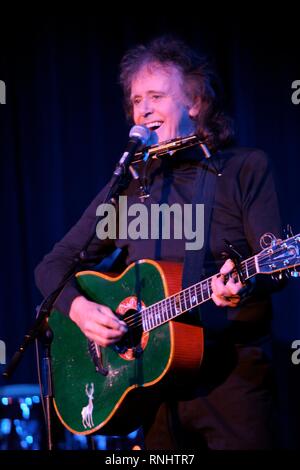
x=213 y=125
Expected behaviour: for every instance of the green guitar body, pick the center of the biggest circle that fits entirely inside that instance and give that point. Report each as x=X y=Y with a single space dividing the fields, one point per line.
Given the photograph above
x=87 y=400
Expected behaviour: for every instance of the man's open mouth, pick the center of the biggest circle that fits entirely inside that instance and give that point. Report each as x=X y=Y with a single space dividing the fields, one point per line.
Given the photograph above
x=153 y=125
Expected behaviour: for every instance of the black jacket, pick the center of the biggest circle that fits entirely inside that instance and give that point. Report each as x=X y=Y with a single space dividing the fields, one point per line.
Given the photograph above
x=245 y=208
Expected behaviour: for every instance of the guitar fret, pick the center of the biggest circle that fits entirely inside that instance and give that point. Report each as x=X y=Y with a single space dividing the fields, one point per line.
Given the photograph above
x=209 y=289
x=178 y=309
x=194 y=296
x=251 y=267
x=190 y=297
x=179 y=302
x=159 y=315
x=171 y=312
x=151 y=317
x=205 y=291
x=185 y=301
x=245 y=265
x=163 y=310
x=189 y=292
x=145 y=320
x=156 y=314
x=199 y=292
x=148 y=319
x=181 y=299
x=202 y=291
x=173 y=309
x=244 y=270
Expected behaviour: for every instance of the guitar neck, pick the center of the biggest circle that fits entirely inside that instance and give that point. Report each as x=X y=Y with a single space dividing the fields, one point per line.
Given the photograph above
x=187 y=299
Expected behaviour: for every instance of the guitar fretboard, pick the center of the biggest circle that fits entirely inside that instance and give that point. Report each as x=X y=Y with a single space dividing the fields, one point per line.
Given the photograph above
x=187 y=299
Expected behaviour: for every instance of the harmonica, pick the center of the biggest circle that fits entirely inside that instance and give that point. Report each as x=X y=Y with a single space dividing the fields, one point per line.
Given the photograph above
x=169 y=147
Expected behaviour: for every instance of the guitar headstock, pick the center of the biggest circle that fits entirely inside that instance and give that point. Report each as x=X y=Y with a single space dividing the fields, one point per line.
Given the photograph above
x=281 y=255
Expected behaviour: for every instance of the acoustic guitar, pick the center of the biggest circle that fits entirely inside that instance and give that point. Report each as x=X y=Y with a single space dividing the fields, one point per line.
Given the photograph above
x=111 y=390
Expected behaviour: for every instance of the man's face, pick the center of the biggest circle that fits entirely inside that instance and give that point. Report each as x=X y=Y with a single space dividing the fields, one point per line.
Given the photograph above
x=160 y=103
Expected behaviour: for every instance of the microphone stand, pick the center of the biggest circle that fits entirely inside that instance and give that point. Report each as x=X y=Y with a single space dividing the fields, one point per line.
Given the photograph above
x=40 y=329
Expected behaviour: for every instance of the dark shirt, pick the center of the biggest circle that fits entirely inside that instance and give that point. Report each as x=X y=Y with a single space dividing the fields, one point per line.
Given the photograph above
x=245 y=208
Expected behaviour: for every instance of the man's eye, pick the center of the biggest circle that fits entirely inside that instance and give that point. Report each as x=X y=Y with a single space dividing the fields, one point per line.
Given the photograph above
x=136 y=101
x=156 y=97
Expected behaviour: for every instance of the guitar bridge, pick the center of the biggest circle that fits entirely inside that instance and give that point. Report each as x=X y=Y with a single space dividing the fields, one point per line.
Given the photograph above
x=135 y=351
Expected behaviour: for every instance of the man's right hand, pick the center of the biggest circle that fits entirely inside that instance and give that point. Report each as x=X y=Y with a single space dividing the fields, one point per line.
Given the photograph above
x=97 y=322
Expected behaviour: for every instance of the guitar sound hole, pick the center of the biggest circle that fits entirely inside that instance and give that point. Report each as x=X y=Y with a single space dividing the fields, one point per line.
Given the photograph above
x=132 y=339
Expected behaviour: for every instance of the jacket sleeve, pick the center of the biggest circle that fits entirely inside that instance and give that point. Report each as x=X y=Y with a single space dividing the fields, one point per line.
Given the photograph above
x=52 y=269
x=260 y=210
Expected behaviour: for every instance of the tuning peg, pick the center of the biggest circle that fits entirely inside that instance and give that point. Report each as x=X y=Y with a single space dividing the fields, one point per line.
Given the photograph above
x=278 y=276
x=288 y=231
x=295 y=273
x=267 y=239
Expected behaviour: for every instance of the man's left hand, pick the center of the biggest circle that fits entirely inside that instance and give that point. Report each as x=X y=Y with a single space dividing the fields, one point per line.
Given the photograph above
x=225 y=292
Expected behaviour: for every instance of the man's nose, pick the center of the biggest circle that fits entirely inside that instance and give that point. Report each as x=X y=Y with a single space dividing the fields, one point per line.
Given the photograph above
x=146 y=108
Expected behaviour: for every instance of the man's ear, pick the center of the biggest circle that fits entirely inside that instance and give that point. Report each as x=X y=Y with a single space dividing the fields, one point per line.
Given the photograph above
x=195 y=107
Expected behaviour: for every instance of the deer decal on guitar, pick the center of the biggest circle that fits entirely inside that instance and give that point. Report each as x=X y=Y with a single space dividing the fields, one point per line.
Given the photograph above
x=87 y=411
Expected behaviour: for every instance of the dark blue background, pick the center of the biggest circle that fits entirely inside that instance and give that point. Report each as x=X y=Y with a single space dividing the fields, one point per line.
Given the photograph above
x=63 y=128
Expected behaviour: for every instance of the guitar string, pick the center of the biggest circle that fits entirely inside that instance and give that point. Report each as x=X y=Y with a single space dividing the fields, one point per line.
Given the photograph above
x=180 y=300
x=130 y=320
x=202 y=288
x=151 y=309
x=133 y=321
x=153 y=312
x=183 y=292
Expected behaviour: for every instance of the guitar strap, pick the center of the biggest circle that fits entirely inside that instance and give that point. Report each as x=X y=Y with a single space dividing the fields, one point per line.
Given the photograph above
x=205 y=187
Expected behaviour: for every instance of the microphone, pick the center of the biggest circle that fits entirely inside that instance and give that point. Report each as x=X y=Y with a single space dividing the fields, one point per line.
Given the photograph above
x=138 y=136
